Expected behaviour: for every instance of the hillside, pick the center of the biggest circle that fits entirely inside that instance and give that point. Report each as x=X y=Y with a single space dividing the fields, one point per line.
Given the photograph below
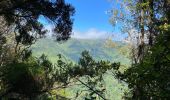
x=72 y=49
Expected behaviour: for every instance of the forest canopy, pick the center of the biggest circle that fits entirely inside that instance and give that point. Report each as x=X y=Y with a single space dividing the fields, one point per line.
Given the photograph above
x=24 y=76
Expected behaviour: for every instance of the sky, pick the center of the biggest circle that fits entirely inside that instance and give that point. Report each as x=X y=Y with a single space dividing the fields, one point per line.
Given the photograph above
x=91 y=14
x=91 y=20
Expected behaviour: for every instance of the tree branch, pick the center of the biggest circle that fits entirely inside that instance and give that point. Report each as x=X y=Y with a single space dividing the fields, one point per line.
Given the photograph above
x=91 y=89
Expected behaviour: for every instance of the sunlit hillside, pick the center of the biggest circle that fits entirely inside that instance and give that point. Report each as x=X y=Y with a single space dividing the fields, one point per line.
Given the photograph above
x=72 y=49
x=98 y=48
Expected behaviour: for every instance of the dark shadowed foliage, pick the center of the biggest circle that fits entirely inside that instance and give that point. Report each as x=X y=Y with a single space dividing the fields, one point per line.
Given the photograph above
x=149 y=79
x=23 y=15
x=34 y=77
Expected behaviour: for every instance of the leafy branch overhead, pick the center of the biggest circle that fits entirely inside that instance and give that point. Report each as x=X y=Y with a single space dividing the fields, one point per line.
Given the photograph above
x=24 y=16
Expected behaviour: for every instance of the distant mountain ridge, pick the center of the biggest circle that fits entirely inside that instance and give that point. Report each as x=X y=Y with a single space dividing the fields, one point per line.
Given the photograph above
x=72 y=49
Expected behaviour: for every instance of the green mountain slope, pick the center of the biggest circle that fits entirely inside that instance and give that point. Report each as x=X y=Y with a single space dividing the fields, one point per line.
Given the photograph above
x=72 y=49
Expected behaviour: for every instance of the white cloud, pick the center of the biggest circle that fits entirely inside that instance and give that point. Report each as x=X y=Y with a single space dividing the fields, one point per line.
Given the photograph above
x=90 y=34
x=49 y=28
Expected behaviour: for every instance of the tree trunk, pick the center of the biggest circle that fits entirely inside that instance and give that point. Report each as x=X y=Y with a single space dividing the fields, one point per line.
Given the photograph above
x=150 y=23
x=142 y=33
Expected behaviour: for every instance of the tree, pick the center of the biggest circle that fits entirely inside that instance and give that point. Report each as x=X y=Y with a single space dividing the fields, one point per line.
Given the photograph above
x=23 y=16
x=35 y=77
x=20 y=28
x=27 y=77
x=148 y=78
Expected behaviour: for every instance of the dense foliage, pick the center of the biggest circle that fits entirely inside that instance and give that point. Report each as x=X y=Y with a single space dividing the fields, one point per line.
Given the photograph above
x=23 y=76
x=148 y=76
x=32 y=78
x=99 y=49
x=23 y=15
x=27 y=77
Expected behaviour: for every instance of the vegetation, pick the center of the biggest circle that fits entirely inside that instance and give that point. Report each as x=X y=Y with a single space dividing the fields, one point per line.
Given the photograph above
x=147 y=77
x=26 y=77
x=73 y=48
x=32 y=78
x=99 y=50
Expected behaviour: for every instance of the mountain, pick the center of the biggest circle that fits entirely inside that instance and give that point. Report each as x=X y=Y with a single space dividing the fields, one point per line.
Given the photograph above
x=72 y=49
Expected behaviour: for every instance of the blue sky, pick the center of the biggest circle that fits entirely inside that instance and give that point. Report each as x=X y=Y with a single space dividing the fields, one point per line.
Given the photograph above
x=91 y=14
x=91 y=20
